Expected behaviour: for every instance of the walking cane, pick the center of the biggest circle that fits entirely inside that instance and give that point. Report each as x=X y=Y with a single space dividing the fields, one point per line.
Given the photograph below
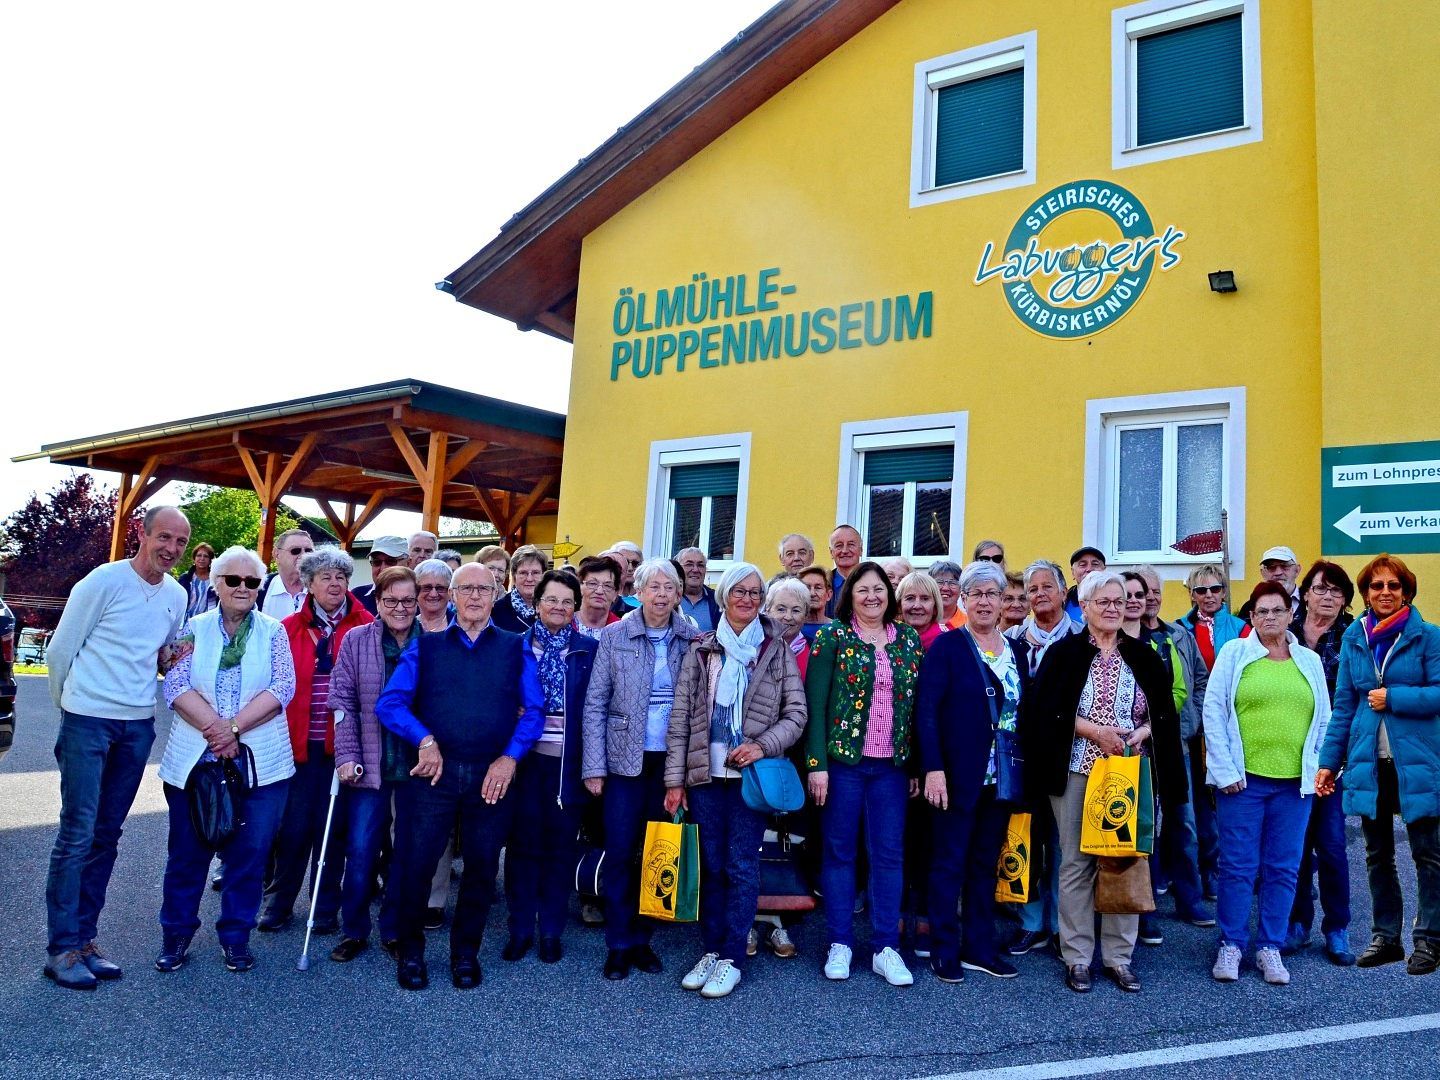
x=303 y=964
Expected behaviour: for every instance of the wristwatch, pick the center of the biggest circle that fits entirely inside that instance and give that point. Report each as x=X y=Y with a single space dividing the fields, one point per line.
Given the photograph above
x=234 y=729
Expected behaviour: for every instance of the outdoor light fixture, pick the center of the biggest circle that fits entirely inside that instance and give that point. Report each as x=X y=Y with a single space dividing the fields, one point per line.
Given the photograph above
x=1223 y=281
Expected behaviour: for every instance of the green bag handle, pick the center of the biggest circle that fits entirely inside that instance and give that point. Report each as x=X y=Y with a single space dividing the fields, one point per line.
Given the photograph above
x=679 y=817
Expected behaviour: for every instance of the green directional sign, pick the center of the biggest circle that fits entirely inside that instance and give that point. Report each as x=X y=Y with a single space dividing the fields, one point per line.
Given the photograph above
x=1378 y=498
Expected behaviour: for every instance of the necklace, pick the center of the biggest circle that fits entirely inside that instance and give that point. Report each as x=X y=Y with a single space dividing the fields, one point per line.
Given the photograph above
x=149 y=591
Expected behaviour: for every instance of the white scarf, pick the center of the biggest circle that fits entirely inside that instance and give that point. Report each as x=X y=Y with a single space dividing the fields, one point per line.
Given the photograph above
x=740 y=652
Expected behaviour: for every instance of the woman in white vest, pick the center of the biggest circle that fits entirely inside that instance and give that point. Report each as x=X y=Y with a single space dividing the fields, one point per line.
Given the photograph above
x=229 y=695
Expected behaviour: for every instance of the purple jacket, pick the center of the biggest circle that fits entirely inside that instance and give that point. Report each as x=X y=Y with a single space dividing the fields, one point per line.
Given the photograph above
x=355 y=685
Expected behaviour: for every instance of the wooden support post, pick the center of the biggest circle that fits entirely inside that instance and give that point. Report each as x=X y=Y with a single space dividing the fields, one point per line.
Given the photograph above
x=122 y=518
x=493 y=511
x=434 y=483
x=270 y=484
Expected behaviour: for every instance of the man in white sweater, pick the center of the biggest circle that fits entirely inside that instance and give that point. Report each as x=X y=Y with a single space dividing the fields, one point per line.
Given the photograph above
x=103 y=659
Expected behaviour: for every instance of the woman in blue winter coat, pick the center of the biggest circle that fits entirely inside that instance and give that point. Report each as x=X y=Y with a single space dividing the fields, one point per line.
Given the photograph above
x=1385 y=732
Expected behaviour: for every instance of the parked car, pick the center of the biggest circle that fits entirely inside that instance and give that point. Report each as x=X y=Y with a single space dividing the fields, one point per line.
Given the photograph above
x=7 y=679
x=30 y=649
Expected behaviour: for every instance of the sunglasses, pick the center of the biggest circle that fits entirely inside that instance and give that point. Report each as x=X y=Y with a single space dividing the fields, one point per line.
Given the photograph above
x=990 y=558
x=1201 y=590
x=234 y=581
x=299 y=550
x=1385 y=586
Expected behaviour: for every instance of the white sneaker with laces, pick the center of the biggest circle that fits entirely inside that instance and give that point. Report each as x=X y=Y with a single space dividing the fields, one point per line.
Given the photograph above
x=887 y=963
x=837 y=964
x=1227 y=964
x=699 y=975
x=723 y=979
x=1272 y=968
x=752 y=942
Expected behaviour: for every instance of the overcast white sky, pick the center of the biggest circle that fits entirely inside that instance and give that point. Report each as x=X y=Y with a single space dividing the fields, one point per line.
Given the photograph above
x=212 y=206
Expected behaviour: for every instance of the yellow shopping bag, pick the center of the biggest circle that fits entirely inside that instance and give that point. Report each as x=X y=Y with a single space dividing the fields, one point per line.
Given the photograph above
x=1110 y=822
x=670 y=871
x=1012 y=873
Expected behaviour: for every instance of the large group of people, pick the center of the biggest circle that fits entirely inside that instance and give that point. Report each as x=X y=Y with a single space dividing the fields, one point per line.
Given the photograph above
x=465 y=709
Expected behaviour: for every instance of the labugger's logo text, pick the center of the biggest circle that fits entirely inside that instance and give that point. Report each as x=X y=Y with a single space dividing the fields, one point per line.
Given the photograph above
x=1079 y=258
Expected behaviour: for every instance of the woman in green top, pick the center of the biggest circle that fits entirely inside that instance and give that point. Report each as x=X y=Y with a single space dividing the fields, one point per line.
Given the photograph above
x=860 y=689
x=1266 y=708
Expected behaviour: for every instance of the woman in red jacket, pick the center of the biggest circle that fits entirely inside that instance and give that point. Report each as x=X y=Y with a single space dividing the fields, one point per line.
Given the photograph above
x=315 y=632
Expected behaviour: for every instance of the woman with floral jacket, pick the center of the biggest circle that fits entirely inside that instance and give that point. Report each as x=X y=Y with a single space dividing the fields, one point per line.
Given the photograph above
x=860 y=688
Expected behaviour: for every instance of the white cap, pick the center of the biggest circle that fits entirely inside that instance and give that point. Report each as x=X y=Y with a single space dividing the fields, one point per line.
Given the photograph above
x=1279 y=554
x=394 y=546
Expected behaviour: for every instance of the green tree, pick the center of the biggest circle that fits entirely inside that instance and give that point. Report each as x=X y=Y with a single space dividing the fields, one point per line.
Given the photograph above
x=223 y=517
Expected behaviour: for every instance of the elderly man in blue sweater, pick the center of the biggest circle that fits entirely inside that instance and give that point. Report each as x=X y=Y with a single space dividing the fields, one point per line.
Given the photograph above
x=463 y=698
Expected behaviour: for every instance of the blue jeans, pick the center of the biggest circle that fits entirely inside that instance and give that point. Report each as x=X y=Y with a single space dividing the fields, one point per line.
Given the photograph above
x=1260 y=827
x=878 y=790
x=187 y=866
x=966 y=848
x=1042 y=912
x=1325 y=852
x=730 y=838
x=629 y=802
x=425 y=816
x=540 y=857
x=102 y=762
x=297 y=845
x=365 y=813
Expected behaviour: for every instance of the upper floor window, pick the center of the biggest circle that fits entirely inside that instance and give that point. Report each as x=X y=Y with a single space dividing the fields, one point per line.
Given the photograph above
x=1186 y=78
x=696 y=496
x=974 y=121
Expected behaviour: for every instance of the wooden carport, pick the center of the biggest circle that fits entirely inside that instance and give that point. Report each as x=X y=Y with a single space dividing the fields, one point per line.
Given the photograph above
x=406 y=445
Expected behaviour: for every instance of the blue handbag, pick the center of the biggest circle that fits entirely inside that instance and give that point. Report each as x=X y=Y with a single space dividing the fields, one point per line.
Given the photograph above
x=771 y=786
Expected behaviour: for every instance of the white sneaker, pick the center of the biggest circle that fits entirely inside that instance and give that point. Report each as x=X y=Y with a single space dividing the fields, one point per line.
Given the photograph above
x=1272 y=968
x=1227 y=964
x=780 y=943
x=887 y=962
x=837 y=964
x=752 y=942
x=723 y=979
x=699 y=975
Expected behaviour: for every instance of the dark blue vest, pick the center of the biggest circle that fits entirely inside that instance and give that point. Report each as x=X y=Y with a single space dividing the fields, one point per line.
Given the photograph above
x=469 y=696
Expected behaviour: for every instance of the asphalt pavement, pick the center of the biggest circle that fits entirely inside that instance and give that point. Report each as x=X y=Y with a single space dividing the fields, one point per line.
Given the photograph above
x=529 y=1019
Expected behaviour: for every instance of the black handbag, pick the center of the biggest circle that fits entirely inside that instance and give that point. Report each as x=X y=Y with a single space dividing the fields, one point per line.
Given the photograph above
x=1009 y=758
x=215 y=791
x=783 y=886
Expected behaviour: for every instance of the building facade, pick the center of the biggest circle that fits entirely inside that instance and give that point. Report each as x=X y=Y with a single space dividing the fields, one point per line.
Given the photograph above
x=1049 y=273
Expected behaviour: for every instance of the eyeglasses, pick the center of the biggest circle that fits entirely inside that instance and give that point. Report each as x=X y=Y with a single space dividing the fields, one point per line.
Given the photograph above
x=435 y=588
x=745 y=594
x=983 y=594
x=946 y=582
x=597 y=585
x=234 y=581
x=1108 y=604
x=1326 y=590
x=390 y=603
x=557 y=601
x=300 y=550
x=383 y=559
x=990 y=558
x=1213 y=590
x=1385 y=586
x=1271 y=613
x=474 y=590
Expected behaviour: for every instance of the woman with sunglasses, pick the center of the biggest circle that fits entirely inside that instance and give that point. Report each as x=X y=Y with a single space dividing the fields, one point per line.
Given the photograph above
x=230 y=690
x=1385 y=732
x=1210 y=622
x=1266 y=707
x=316 y=633
x=369 y=758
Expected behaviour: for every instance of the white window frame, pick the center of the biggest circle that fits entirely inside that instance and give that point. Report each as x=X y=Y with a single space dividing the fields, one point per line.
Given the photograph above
x=667 y=453
x=931 y=76
x=1104 y=417
x=1127 y=26
x=935 y=429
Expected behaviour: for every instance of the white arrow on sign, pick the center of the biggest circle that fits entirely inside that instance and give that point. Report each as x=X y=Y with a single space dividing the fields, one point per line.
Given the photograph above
x=1357 y=525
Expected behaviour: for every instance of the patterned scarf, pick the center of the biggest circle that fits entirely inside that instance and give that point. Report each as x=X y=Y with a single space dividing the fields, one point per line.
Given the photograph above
x=522 y=609
x=1383 y=633
x=324 y=627
x=552 y=665
x=234 y=650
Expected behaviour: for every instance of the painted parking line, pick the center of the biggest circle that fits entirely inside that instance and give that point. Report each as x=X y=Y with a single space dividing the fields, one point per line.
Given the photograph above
x=1174 y=1055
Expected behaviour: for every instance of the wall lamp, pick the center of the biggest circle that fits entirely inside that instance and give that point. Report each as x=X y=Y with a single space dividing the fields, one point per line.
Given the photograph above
x=1223 y=281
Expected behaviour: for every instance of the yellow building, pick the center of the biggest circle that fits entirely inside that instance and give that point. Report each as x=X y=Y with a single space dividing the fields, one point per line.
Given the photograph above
x=1051 y=273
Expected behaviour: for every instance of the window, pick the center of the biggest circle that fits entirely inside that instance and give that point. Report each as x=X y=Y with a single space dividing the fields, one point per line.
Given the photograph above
x=696 y=497
x=902 y=484
x=1186 y=78
x=1161 y=468
x=974 y=122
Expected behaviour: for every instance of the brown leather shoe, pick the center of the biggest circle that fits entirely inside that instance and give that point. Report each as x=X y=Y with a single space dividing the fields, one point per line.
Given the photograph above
x=1124 y=978
x=1077 y=978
